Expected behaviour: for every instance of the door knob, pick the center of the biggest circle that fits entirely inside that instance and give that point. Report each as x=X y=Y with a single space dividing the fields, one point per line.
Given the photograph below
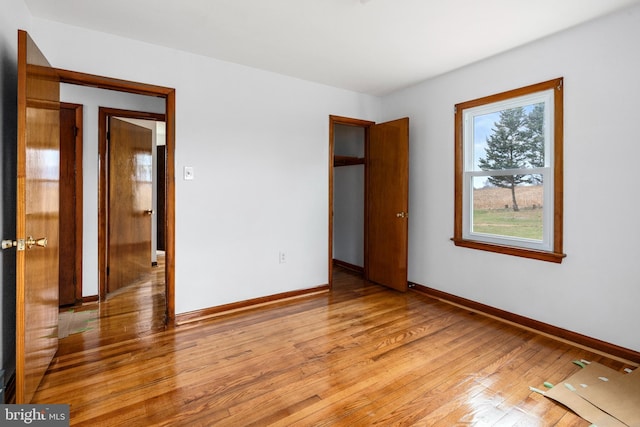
x=31 y=242
x=149 y=211
x=21 y=244
x=402 y=215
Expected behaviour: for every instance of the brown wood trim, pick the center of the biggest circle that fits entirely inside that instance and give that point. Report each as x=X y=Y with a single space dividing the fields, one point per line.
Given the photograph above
x=79 y=197
x=557 y=254
x=117 y=112
x=526 y=322
x=23 y=39
x=348 y=266
x=196 y=315
x=170 y=207
x=558 y=165
x=332 y=123
x=169 y=94
x=509 y=250
x=350 y=121
x=366 y=124
x=347 y=161
x=90 y=299
x=84 y=79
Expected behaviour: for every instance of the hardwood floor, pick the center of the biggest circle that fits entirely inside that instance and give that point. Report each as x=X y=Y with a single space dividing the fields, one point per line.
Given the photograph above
x=359 y=355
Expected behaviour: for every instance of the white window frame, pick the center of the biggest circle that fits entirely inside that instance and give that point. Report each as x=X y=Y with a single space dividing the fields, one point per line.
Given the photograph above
x=546 y=244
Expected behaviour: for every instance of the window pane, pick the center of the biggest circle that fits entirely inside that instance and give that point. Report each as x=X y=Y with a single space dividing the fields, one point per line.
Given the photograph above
x=511 y=138
x=508 y=211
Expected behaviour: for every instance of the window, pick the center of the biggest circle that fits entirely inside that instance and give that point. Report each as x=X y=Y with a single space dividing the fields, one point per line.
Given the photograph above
x=508 y=172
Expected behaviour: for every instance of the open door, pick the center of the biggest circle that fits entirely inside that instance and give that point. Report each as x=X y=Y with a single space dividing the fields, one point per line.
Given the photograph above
x=130 y=203
x=387 y=207
x=37 y=215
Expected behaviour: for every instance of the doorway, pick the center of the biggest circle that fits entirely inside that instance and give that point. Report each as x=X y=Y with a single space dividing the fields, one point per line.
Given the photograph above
x=368 y=194
x=168 y=94
x=127 y=243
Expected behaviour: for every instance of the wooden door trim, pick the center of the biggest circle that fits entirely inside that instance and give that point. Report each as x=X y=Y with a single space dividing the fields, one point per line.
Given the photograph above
x=169 y=95
x=103 y=184
x=79 y=183
x=20 y=218
x=366 y=124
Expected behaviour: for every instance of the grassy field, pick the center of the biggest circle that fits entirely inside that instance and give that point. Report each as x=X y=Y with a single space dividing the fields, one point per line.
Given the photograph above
x=493 y=213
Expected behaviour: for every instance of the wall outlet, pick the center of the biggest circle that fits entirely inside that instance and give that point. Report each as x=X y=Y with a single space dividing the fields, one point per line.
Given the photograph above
x=282 y=257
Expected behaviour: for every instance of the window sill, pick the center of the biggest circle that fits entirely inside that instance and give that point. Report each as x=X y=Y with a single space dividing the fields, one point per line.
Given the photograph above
x=511 y=250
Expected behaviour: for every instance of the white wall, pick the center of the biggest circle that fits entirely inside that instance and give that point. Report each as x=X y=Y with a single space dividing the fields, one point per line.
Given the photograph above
x=258 y=142
x=596 y=289
x=14 y=16
x=92 y=99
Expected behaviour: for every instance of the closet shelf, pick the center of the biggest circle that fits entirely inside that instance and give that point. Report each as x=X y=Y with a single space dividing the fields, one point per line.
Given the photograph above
x=347 y=160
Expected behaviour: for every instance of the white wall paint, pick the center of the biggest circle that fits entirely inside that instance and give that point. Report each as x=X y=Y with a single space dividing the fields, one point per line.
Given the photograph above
x=92 y=99
x=258 y=142
x=595 y=291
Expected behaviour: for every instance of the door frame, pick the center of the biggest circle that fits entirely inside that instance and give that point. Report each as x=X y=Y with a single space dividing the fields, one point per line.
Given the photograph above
x=103 y=186
x=169 y=95
x=366 y=125
x=79 y=183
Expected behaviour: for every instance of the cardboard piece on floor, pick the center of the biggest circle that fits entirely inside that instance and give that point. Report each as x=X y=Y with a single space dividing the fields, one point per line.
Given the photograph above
x=585 y=378
x=619 y=396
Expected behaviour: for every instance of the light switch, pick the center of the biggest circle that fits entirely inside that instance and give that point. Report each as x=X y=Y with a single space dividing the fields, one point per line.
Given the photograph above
x=188 y=173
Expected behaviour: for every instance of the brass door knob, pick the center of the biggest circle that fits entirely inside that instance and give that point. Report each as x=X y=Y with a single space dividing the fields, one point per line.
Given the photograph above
x=31 y=242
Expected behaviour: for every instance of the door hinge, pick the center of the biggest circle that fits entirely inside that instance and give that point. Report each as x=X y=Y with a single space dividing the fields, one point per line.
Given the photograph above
x=107 y=270
x=75 y=130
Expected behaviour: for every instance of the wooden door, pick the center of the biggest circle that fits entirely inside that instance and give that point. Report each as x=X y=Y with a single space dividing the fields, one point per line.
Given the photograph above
x=37 y=208
x=130 y=204
x=387 y=162
x=70 y=271
x=161 y=157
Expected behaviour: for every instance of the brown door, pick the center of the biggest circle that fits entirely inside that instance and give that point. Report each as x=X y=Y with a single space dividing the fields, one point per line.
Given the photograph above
x=36 y=217
x=130 y=204
x=388 y=203
x=70 y=272
x=161 y=155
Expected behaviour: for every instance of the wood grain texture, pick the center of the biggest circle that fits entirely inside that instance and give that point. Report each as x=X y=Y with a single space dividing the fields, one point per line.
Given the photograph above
x=37 y=213
x=130 y=198
x=359 y=355
x=70 y=227
x=387 y=175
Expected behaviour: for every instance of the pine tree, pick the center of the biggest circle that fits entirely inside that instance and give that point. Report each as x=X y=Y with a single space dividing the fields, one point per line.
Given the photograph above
x=517 y=141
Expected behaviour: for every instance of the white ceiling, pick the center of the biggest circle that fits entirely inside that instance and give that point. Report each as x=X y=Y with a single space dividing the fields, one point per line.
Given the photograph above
x=370 y=46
